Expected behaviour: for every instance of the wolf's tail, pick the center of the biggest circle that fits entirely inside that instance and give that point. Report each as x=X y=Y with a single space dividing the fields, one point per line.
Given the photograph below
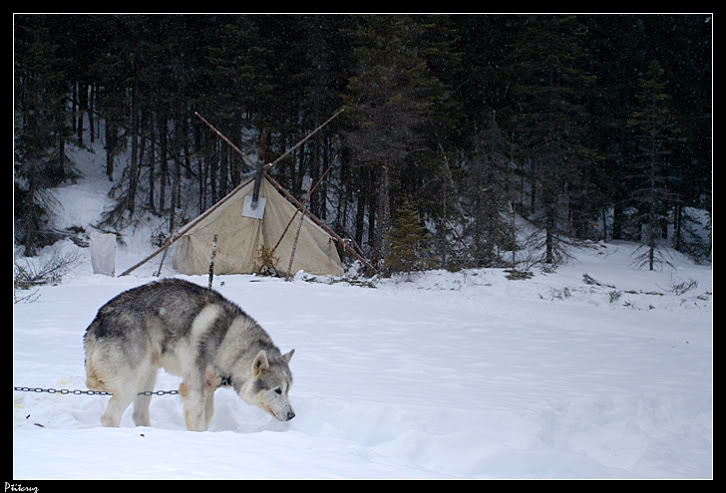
x=93 y=380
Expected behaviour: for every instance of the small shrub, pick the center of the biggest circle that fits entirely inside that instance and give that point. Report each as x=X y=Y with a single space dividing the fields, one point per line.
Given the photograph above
x=680 y=288
x=615 y=295
x=516 y=275
x=266 y=262
x=31 y=272
x=37 y=272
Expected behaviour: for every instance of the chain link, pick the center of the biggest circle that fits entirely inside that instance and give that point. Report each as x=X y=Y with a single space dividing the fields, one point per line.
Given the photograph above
x=39 y=390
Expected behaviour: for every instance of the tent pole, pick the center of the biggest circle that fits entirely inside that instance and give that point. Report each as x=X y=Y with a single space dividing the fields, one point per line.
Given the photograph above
x=270 y=165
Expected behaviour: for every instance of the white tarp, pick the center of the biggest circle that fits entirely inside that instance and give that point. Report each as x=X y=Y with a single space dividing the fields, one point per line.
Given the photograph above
x=103 y=253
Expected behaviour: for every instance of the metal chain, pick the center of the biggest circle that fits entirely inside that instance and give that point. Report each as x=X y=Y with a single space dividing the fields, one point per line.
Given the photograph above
x=39 y=390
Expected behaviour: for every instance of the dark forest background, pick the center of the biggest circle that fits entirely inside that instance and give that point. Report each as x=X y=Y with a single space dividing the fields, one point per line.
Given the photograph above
x=457 y=129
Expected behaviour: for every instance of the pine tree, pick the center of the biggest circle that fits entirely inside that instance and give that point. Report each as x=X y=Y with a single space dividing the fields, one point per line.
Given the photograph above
x=407 y=239
x=386 y=105
x=656 y=133
x=549 y=119
x=489 y=194
x=41 y=128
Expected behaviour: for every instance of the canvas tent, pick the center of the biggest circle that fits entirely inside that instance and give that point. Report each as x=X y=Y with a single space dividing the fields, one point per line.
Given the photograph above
x=240 y=237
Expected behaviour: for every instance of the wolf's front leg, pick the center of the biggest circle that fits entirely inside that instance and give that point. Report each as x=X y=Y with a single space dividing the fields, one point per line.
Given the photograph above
x=209 y=407
x=211 y=384
x=194 y=405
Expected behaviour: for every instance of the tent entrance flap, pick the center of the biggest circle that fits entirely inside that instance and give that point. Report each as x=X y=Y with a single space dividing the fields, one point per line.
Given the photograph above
x=257 y=212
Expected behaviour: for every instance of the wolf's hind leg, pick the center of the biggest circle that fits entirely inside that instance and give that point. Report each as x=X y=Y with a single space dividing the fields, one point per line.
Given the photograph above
x=116 y=407
x=142 y=402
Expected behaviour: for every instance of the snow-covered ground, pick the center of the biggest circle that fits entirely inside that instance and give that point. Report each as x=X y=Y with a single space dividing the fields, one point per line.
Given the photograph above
x=449 y=375
x=439 y=376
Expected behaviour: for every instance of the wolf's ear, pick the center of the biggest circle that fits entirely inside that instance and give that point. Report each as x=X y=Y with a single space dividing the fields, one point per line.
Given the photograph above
x=288 y=356
x=260 y=363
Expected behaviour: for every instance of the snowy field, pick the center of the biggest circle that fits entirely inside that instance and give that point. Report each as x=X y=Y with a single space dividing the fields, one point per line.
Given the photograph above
x=447 y=376
x=466 y=375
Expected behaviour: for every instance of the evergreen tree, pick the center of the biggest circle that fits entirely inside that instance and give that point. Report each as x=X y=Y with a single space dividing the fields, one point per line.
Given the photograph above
x=415 y=89
x=489 y=194
x=387 y=107
x=407 y=252
x=41 y=128
x=656 y=134
x=549 y=119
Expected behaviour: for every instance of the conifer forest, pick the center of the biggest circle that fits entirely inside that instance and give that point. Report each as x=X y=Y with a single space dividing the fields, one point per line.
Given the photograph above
x=463 y=138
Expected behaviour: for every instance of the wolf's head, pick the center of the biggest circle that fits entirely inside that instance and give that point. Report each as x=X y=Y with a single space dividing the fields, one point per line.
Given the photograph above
x=269 y=384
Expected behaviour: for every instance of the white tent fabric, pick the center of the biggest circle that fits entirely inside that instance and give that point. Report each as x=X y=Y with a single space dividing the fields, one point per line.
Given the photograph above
x=240 y=237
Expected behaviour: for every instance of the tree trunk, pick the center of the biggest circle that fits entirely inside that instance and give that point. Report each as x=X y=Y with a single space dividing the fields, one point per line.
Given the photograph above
x=618 y=218
x=223 y=170
x=314 y=205
x=91 y=109
x=236 y=174
x=323 y=193
x=31 y=217
x=550 y=223
x=82 y=108
x=380 y=249
x=372 y=208
x=212 y=171
x=344 y=193
x=164 y=177
x=152 y=165
x=202 y=187
x=175 y=192
x=74 y=106
x=532 y=182
x=111 y=143
x=677 y=232
x=360 y=217
x=131 y=200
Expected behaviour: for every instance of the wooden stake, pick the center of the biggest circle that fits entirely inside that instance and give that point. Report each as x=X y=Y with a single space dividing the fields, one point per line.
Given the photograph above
x=166 y=250
x=211 y=260
x=294 y=247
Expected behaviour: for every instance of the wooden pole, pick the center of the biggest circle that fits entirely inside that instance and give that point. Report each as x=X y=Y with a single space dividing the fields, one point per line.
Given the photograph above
x=211 y=260
x=294 y=247
x=224 y=137
x=270 y=165
x=166 y=250
x=287 y=153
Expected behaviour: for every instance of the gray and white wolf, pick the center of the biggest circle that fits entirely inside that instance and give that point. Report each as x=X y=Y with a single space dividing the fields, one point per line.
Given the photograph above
x=192 y=332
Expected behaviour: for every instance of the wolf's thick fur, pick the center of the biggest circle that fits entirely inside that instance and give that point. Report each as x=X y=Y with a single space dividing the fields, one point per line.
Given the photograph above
x=192 y=332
